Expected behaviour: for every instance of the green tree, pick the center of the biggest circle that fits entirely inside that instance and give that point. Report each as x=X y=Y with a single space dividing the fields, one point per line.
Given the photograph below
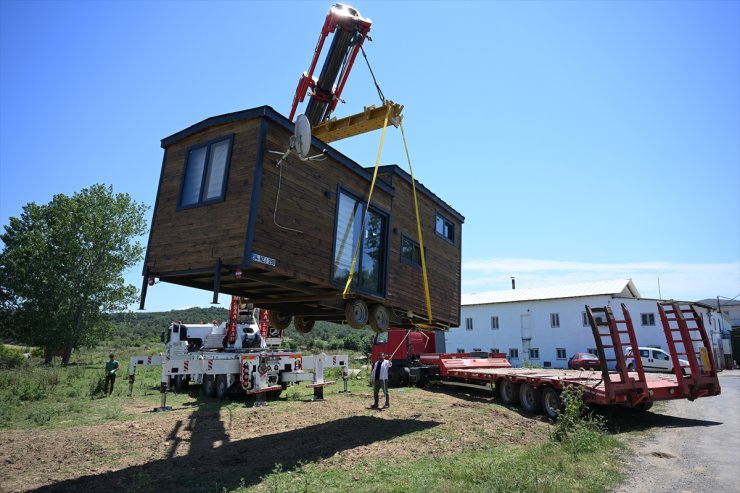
x=62 y=266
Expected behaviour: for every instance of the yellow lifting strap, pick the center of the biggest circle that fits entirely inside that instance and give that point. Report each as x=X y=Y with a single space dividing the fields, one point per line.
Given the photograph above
x=367 y=206
x=418 y=230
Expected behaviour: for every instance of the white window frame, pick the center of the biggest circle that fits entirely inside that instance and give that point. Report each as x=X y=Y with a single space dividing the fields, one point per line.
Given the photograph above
x=513 y=353
x=555 y=320
x=534 y=353
x=494 y=322
x=561 y=353
x=469 y=323
x=648 y=319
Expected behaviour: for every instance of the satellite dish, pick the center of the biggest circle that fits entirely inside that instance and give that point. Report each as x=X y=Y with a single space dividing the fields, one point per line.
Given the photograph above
x=301 y=140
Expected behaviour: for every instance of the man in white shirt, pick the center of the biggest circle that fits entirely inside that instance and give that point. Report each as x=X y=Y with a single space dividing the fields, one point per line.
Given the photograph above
x=379 y=377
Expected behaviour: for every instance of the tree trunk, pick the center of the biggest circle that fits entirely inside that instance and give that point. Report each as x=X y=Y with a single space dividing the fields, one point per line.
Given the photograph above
x=48 y=355
x=72 y=341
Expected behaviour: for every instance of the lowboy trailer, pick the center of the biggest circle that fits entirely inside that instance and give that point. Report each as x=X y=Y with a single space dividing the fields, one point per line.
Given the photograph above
x=539 y=390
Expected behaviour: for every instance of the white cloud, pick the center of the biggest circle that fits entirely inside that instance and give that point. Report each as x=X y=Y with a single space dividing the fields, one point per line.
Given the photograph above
x=681 y=281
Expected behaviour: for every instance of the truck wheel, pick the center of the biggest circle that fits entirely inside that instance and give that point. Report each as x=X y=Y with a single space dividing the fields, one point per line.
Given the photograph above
x=222 y=389
x=531 y=398
x=181 y=383
x=274 y=394
x=302 y=325
x=508 y=392
x=356 y=313
x=278 y=320
x=551 y=402
x=394 y=377
x=208 y=388
x=379 y=318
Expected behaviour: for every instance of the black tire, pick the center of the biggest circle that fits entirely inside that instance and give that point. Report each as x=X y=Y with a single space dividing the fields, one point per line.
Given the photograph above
x=208 y=388
x=273 y=394
x=278 y=320
x=302 y=325
x=508 y=392
x=552 y=405
x=221 y=389
x=356 y=313
x=181 y=383
x=643 y=407
x=379 y=318
x=530 y=398
x=394 y=377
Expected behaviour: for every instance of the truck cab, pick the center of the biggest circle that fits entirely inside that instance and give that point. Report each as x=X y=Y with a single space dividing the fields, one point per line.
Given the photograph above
x=405 y=348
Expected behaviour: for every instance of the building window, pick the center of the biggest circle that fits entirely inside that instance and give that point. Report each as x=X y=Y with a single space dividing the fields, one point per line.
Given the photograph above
x=494 y=322
x=534 y=353
x=477 y=349
x=460 y=350
x=561 y=353
x=592 y=350
x=599 y=320
x=494 y=350
x=445 y=228
x=206 y=169
x=468 y=324
x=513 y=353
x=554 y=320
x=648 y=318
x=410 y=251
x=369 y=274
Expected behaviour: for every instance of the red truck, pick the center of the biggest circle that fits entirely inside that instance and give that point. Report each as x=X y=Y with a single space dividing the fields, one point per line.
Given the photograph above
x=416 y=360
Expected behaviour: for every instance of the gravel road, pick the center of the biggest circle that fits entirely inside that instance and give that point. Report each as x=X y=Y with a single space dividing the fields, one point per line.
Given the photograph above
x=689 y=447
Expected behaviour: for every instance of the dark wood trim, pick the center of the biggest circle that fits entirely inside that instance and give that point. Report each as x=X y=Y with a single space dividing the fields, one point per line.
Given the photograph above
x=396 y=170
x=255 y=196
x=144 y=269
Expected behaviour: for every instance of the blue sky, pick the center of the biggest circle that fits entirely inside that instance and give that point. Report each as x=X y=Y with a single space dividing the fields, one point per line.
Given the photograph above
x=582 y=141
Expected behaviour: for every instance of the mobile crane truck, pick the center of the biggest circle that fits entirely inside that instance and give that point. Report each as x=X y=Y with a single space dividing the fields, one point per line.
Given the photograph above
x=415 y=360
x=222 y=359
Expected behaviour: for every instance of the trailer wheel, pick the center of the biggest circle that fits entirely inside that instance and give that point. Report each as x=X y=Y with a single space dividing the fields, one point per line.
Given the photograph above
x=356 y=313
x=530 y=398
x=278 y=320
x=551 y=402
x=379 y=318
x=302 y=325
x=221 y=389
x=208 y=388
x=508 y=392
x=643 y=406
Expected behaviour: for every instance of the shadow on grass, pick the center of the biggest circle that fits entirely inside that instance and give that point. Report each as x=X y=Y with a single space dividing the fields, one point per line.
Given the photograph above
x=213 y=462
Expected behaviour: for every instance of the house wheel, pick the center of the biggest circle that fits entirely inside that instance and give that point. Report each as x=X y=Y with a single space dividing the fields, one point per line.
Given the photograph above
x=530 y=398
x=221 y=387
x=356 y=313
x=508 y=392
x=302 y=325
x=551 y=402
x=208 y=389
x=379 y=318
x=278 y=320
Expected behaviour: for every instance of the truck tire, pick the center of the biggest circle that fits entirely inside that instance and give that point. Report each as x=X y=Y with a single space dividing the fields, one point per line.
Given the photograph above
x=508 y=392
x=221 y=390
x=273 y=394
x=302 y=325
x=278 y=320
x=208 y=388
x=394 y=377
x=552 y=405
x=181 y=383
x=379 y=318
x=356 y=313
x=530 y=398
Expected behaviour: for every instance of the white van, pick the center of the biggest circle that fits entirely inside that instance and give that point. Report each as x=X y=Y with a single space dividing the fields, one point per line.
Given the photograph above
x=655 y=360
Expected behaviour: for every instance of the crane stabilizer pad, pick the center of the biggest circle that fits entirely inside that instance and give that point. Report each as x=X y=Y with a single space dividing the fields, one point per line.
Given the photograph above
x=370 y=119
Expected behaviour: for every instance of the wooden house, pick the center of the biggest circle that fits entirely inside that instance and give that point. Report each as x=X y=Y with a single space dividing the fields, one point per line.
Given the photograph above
x=229 y=220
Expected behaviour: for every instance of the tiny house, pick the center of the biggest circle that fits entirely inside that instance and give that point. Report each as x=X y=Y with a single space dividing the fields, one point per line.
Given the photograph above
x=229 y=219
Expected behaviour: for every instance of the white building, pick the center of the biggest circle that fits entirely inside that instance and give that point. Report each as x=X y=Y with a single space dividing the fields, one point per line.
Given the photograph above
x=546 y=326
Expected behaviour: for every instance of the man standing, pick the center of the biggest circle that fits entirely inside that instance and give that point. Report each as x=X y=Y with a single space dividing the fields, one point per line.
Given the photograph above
x=111 y=367
x=379 y=377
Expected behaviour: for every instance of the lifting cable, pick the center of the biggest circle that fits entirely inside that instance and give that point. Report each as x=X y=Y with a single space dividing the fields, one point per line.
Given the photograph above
x=380 y=93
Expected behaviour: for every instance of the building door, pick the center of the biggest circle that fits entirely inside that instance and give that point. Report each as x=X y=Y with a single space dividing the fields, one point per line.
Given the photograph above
x=526 y=323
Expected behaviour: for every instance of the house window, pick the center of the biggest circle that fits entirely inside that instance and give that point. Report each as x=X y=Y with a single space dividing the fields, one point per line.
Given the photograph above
x=494 y=323
x=534 y=353
x=513 y=353
x=648 y=318
x=561 y=354
x=468 y=324
x=445 y=228
x=410 y=251
x=369 y=274
x=206 y=169
x=554 y=320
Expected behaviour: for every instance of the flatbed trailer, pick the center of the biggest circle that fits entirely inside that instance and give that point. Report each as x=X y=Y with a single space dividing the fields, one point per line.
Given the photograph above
x=539 y=389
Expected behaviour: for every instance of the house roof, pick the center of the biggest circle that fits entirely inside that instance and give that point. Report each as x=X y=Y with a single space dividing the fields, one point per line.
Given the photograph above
x=621 y=287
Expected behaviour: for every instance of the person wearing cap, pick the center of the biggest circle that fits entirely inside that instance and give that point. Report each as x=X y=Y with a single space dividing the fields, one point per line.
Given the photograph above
x=379 y=377
x=111 y=367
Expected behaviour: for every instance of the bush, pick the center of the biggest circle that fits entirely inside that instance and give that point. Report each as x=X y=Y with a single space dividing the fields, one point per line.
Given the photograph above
x=576 y=430
x=11 y=358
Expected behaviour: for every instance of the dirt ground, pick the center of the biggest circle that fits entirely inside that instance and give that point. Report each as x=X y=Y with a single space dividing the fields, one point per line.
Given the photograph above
x=206 y=445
